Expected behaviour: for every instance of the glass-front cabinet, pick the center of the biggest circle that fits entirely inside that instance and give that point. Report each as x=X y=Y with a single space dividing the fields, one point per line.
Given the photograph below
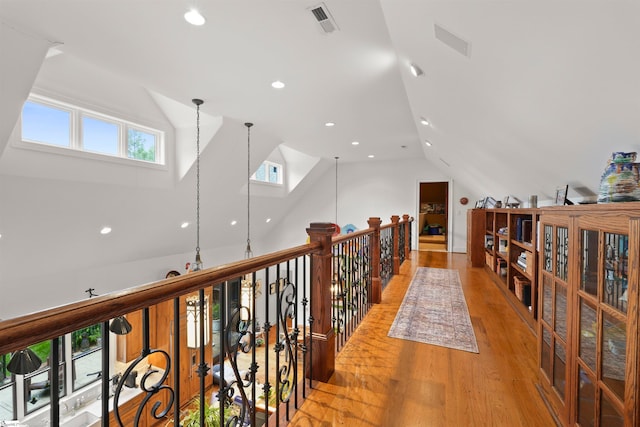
x=588 y=341
x=602 y=302
x=554 y=324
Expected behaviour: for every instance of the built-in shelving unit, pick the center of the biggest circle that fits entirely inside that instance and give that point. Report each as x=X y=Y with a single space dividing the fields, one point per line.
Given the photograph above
x=508 y=241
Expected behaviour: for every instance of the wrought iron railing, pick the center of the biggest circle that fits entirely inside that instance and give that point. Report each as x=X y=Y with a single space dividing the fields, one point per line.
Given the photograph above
x=386 y=254
x=351 y=283
x=276 y=336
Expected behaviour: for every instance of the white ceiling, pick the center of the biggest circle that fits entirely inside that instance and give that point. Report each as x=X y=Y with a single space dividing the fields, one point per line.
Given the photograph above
x=548 y=91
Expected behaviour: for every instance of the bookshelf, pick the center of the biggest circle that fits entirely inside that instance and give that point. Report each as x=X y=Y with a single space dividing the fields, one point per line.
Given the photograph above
x=508 y=238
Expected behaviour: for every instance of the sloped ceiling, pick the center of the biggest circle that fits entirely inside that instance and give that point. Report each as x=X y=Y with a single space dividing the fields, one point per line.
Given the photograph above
x=548 y=91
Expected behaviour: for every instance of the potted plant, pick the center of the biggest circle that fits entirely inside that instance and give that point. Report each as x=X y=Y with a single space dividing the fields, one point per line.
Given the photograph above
x=215 y=314
x=211 y=415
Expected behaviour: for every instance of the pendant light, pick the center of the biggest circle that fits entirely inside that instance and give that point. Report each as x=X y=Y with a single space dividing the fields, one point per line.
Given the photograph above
x=247 y=286
x=197 y=266
x=120 y=326
x=24 y=362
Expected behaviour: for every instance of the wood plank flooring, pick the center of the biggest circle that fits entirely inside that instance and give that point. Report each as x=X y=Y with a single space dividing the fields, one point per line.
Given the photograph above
x=382 y=381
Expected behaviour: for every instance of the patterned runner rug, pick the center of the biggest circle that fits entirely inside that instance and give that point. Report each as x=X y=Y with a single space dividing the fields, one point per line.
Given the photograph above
x=434 y=311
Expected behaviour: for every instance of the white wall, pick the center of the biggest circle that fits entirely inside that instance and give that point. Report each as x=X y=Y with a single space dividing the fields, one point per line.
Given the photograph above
x=367 y=189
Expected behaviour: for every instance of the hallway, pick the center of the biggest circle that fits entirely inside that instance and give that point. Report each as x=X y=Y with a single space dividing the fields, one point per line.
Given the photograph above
x=382 y=381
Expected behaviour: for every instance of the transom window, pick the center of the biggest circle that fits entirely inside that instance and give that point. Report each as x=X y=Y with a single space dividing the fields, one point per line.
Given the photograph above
x=269 y=172
x=53 y=123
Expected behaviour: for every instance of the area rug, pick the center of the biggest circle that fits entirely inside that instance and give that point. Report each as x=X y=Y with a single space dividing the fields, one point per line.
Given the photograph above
x=434 y=311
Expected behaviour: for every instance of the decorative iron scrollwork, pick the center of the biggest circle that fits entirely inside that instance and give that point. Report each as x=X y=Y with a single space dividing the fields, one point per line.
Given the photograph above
x=151 y=389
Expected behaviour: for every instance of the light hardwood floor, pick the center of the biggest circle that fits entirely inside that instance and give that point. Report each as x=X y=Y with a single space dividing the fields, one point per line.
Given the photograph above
x=382 y=381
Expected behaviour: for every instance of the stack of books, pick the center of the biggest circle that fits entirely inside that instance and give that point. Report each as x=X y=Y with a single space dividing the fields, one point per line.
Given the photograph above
x=522 y=260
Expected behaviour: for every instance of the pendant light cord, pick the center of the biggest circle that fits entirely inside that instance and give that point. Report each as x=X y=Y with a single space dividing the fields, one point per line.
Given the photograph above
x=337 y=190
x=198 y=263
x=248 y=252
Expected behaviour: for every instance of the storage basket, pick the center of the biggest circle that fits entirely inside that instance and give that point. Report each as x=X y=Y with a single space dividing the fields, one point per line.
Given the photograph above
x=523 y=290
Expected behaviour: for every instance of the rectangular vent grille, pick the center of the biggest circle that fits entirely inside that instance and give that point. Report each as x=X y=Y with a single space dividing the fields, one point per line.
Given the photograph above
x=318 y=12
x=324 y=18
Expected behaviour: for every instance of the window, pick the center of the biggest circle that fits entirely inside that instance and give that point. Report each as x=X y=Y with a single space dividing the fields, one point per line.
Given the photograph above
x=268 y=172
x=86 y=354
x=7 y=390
x=55 y=124
x=37 y=385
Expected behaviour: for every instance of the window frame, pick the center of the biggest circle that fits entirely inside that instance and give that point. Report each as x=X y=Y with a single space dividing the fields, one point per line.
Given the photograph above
x=268 y=164
x=76 y=145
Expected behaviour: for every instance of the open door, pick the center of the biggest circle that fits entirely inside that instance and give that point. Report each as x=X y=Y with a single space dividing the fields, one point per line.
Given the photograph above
x=433 y=218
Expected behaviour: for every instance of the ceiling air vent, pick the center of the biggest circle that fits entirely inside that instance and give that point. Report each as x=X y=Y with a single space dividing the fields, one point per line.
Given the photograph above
x=324 y=18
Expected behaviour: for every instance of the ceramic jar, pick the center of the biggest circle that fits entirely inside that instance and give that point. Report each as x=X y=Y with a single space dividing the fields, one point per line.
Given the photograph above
x=620 y=181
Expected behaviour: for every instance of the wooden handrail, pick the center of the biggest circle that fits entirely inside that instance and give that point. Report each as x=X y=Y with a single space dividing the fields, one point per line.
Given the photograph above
x=20 y=332
x=347 y=237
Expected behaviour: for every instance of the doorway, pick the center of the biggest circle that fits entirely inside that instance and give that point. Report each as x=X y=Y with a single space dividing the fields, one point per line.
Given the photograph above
x=433 y=217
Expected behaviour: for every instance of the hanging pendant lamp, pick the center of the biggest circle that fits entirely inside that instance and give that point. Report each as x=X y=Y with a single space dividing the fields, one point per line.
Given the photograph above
x=24 y=362
x=120 y=326
x=197 y=266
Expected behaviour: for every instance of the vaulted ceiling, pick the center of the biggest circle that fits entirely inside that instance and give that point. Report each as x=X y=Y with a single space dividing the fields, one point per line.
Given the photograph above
x=545 y=91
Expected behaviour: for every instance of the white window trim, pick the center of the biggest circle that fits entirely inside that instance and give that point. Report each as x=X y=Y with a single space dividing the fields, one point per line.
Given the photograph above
x=75 y=148
x=269 y=163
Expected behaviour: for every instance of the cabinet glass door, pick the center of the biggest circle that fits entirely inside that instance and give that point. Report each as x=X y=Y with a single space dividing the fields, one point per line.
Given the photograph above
x=602 y=338
x=553 y=308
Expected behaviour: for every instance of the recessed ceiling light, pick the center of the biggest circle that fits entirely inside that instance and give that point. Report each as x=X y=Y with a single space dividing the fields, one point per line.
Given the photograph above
x=234 y=222
x=424 y=121
x=371 y=156
x=184 y=224
x=428 y=143
x=415 y=70
x=355 y=143
x=105 y=230
x=194 y=17
x=329 y=124
x=268 y=220
x=277 y=84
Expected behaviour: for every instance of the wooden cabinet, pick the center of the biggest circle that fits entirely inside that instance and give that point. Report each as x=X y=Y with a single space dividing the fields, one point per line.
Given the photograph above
x=129 y=346
x=588 y=302
x=127 y=412
x=505 y=241
x=475 y=237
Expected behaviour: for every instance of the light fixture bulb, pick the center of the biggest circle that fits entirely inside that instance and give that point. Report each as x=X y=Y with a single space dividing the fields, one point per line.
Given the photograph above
x=234 y=222
x=329 y=124
x=105 y=230
x=194 y=17
x=424 y=121
x=371 y=156
x=184 y=224
x=428 y=143
x=355 y=143
x=277 y=84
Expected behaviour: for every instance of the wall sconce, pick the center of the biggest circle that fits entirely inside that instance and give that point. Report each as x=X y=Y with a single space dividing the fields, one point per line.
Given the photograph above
x=193 y=322
x=24 y=362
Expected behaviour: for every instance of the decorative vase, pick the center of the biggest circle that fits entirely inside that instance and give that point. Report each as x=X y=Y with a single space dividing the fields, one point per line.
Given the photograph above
x=620 y=181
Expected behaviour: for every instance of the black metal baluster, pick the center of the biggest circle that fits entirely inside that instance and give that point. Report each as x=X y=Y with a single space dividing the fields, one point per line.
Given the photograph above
x=54 y=373
x=106 y=376
x=176 y=361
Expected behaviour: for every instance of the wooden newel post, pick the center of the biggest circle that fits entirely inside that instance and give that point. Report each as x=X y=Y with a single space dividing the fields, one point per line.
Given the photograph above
x=376 y=282
x=407 y=236
x=395 y=219
x=324 y=340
